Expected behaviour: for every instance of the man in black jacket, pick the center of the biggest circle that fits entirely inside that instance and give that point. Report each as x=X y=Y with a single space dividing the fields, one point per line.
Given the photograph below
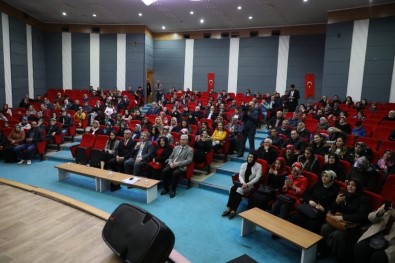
x=250 y=121
x=25 y=151
x=122 y=152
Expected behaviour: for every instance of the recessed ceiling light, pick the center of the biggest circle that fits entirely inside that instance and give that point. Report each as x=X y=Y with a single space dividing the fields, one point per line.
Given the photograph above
x=191 y=12
x=64 y=13
x=163 y=27
x=250 y=17
x=140 y=14
x=148 y=2
x=201 y=21
x=239 y=7
x=305 y=1
x=94 y=15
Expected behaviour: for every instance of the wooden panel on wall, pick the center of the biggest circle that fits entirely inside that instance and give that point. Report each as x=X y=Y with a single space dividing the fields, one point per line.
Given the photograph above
x=374 y=11
x=12 y=11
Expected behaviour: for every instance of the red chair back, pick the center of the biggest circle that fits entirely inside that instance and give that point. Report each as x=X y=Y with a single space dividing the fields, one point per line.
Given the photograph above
x=100 y=142
x=387 y=191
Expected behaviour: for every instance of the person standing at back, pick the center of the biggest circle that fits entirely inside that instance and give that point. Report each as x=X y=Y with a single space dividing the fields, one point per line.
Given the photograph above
x=293 y=99
x=159 y=90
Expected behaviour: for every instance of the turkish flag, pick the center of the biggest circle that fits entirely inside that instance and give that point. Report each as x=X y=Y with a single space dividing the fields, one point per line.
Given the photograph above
x=309 y=86
x=210 y=81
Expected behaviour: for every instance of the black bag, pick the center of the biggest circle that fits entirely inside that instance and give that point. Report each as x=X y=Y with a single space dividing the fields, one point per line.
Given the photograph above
x=286 y=199
x=266 y=190
x=308 y=210
x=137 y=236
x=378 y=242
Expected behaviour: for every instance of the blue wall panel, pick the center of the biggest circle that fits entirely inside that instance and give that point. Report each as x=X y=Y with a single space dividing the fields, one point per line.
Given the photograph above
x=306 y=55
x=257 y=64
x=108 y=61
x=2 y=85
x=18 y=52
x=135 y=46
x=53 y=59
x=38 y=50
x=80 y=59
x=379 y=61
x=169 y=60
x=211 y=55
x=336 y=59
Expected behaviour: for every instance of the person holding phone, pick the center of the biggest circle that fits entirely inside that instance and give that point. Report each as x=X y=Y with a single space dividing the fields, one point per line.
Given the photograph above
x=250 y=173
x=382 y=227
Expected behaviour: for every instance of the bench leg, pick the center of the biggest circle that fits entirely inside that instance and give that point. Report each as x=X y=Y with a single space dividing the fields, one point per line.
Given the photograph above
x=152 y=193
x=309 y=255
x=101 y=185
x=247 y=227
x=62 y=174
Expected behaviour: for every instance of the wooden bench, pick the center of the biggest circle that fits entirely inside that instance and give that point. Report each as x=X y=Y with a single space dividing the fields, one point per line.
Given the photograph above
x=298 y=236
x=104 y=177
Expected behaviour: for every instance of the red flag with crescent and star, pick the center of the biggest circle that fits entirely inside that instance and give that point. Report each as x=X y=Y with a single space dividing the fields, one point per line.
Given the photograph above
x=210 y=81
x=309 y=86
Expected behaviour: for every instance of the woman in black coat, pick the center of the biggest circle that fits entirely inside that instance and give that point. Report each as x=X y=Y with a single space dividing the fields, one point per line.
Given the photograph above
x=202 y=145
x=351 y=206
x=319 y=197
x=158 y=163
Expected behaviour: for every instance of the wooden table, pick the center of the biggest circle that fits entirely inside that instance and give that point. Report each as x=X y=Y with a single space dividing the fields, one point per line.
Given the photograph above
x=103 y=178
x=302 y=238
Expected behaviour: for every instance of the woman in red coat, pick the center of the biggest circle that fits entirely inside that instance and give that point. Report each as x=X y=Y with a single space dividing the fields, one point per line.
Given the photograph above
x=162 y=153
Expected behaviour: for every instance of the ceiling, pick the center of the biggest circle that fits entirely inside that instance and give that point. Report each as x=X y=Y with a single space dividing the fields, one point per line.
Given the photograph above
x=175 y=14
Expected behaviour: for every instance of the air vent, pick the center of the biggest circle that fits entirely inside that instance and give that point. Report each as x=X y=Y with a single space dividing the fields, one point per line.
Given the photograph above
x=224 y=34
x=65 y=29
x=206 y=35
x=234 y=34
x=95 y=29
x=254 y=33
x=276 y=32
x=187 y=36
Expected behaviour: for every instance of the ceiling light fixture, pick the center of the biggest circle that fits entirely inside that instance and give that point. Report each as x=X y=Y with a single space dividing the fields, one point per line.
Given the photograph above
x=94 y=15
x=148 y=2
x=239 y=7
x=64 y=13
x=305 y=1
x=163 y=27
x=191 y=12
x=250 y=17
x=201 y=21
x=140 y=14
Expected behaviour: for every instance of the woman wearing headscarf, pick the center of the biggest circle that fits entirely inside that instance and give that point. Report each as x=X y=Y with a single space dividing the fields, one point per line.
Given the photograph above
x=107 y=128
x=294 y=186
x=275 y=181
x=351 y=206
x=366 y=174
x=162 y=153
x=319 y=199
x=137 y=132
x=250 y=173
x=332 y=163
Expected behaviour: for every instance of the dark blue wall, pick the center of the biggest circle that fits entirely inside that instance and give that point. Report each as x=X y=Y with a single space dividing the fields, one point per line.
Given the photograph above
x=149 y=53
x=379 y=61
x=135 y=60
x=108 y=61
x=257 y=64
x=211 y=55
x=53 y=59
x=2 y=85
x=337 y=59
x=18 y=52
x=80 y=60
x=306 y=55
x=169 y=60
x=38 y=50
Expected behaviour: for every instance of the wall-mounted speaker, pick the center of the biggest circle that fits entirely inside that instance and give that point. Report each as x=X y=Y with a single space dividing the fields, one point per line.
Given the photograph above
x=224 y=34
x=206 y=35
x=187 y=36
x=65 y=29
x=254 y=33
x=276 y=32
x=95 y=29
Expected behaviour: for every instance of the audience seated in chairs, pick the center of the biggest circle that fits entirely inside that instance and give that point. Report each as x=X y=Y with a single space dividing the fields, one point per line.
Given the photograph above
x=317 y=200
x=141 y=155
x=25 y=150
x=250 y=173
x=309 y=161
x=122 y=152
x=273 y=184
x=386 y=163
x=219 y=136
x=235 y=129
x=294 y=187
x=290 y=155
x=202 y=145
x=366 y=174
x=95 y=128
x=158 y=162
x=100 y=157
x=51 y=131
x=181 y=156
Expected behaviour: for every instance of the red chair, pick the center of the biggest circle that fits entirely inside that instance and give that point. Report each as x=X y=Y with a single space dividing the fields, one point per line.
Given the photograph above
x=41 y=146
x=225 y=147
x=372 y=143
x=87 y=142
x=388 y=188
x=350 y=140
x=188 y=173
x=382 y=134
x=376 y=200
x=386 y=145
x=100 y=142
x=176 y=137
x=207 y=162
x=321 y=160
x=346 y=167
x=311 y=177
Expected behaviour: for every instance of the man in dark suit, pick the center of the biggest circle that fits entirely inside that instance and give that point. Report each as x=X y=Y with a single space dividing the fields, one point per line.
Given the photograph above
x=122 y=152
x=181 y=156
x=293 y=98
x=142 y=153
